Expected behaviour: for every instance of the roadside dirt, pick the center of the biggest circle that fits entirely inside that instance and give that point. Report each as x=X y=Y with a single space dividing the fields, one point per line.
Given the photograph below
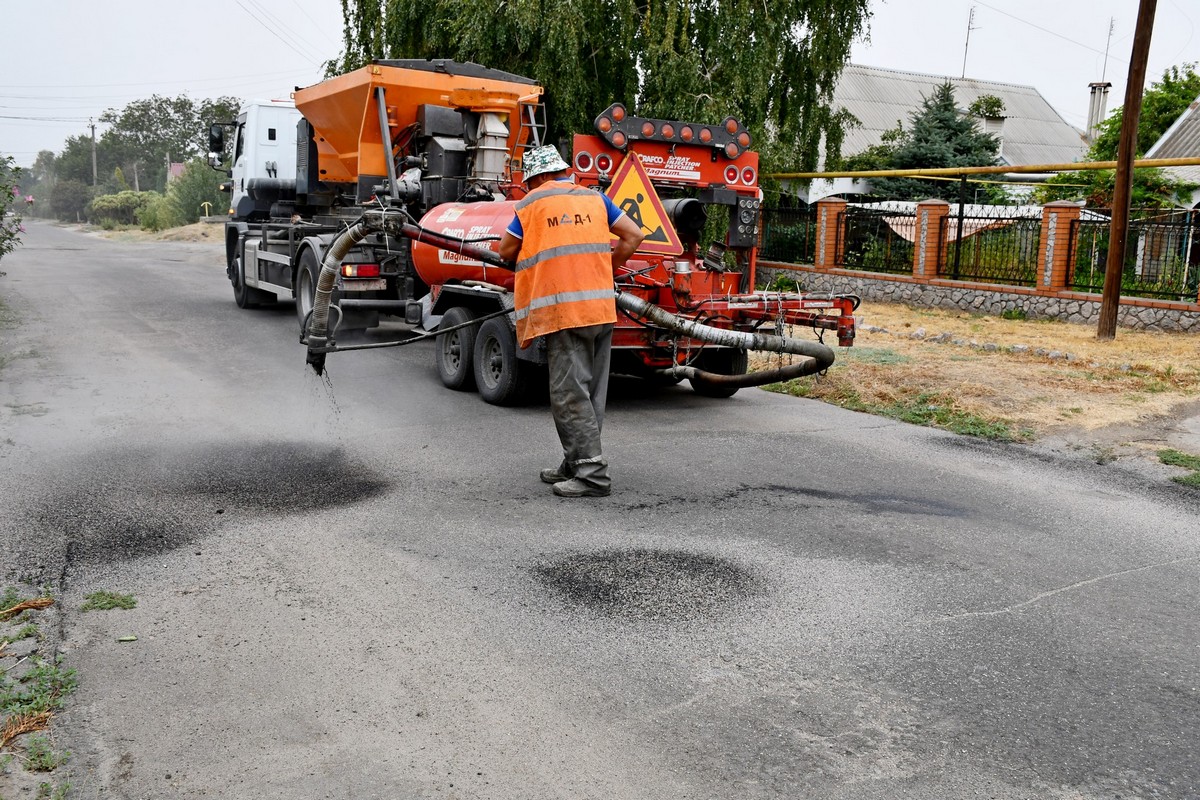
x=196 y=232
x=1050 y=382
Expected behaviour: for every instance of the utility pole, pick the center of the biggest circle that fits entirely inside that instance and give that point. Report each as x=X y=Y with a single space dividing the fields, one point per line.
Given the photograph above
x=1126 y=151
x=967 y=46
x=1112 y=24
x=93 y=127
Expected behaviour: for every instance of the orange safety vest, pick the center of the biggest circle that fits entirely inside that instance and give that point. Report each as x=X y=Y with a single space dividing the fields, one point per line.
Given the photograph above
x=564 y=273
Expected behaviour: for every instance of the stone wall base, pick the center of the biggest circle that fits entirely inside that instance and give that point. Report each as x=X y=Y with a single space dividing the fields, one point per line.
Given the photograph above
x=1083 y=309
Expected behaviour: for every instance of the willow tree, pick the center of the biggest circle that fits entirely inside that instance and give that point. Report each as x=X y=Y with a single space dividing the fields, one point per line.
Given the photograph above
x=772 y=65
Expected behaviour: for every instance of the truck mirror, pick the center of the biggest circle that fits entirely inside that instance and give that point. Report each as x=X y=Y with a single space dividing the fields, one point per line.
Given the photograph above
x=216 y=139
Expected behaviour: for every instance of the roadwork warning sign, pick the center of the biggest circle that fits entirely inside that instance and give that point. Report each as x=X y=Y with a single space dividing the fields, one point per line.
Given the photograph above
x=633 y=193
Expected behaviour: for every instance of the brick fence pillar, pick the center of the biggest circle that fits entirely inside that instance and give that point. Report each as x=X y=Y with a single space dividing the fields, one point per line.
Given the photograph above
x=929 y=243
x=830 y=212
x=1055 y=245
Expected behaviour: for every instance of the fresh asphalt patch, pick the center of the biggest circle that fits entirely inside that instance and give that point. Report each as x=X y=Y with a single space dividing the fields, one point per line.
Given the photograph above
x=648 y=584
x=125 y=503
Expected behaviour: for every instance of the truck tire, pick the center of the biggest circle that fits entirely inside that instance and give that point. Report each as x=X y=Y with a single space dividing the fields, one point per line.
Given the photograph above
x=722 y=362
x=454 y=352
x=243 y=295
x=499 y=374
x=306 y=285
x=308 y=272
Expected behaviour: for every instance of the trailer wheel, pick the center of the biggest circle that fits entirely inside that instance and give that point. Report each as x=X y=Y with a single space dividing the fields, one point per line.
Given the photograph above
x=243 y=295
x=454 y=352
x=722 y=362
x=499 y=374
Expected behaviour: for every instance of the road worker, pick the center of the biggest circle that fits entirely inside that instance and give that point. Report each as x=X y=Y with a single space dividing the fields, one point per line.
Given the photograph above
x=565 y=260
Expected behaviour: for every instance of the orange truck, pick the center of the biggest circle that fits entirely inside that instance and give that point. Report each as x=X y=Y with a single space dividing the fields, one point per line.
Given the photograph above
x=405 y=176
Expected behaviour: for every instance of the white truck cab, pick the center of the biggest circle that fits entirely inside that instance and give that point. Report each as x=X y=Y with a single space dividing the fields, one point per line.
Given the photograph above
x=264 y=156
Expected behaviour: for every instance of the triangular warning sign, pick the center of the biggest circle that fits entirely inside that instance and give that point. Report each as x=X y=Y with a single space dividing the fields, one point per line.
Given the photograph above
x=632 y=192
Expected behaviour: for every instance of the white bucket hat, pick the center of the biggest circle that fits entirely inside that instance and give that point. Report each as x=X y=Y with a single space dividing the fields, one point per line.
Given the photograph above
x=541 y=160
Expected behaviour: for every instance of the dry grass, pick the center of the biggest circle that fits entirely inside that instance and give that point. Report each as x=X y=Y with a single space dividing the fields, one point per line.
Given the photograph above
x=1136 y=377
x=40 y=602
x=196 y=232
x=25 y=723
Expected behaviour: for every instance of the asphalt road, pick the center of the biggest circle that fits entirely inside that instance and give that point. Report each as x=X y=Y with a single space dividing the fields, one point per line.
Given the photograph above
x=360 y=589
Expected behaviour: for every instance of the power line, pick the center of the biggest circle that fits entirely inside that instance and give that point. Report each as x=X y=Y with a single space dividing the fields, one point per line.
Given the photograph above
x=276 y=34
x=45 y=119
x=1047 y=30
x=141 y=83
x=283 y=24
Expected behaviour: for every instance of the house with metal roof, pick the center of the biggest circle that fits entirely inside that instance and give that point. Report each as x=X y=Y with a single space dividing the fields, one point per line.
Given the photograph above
x=1182 y=140
x=1030 y=131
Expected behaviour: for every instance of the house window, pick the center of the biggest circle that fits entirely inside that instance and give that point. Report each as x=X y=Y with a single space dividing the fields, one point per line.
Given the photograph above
x=270 y=134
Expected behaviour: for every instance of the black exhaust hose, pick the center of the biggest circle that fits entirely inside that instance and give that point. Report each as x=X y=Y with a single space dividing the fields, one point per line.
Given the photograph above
x=778 y=375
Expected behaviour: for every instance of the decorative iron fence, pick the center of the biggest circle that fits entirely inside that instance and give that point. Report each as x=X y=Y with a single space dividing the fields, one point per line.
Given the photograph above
x=993 y=244
x=1162 y=254
x=789 y=234
x=878 y=239
x=997 y=244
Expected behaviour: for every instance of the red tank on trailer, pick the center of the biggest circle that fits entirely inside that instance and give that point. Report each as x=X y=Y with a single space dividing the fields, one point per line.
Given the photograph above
x=480 y=224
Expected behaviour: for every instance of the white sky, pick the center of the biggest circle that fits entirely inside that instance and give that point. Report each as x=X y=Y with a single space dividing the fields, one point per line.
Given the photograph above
x=67 y=60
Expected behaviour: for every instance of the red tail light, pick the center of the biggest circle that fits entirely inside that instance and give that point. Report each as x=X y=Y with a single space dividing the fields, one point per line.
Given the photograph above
x=360 y=270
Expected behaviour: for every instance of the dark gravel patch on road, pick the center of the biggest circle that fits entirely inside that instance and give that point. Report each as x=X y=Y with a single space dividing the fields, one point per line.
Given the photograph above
x=126 y=503
x=646 y=584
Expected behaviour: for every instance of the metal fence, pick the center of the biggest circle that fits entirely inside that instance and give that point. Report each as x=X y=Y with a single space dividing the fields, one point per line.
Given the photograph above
x=789 y=234
x=877 y=239
x=1000 y=245
x=1162 y=254
x=993 y=244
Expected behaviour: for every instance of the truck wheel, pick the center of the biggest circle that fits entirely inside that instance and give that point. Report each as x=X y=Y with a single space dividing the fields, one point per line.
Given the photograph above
x=308 y=273
x=243 y=295
x=455 y=351
x=499 y=374
x=306 y=285
x=722 y=362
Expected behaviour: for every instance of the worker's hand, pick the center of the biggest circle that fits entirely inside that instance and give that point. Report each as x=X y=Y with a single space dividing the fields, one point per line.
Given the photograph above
x=510 y=247
x=629 y=236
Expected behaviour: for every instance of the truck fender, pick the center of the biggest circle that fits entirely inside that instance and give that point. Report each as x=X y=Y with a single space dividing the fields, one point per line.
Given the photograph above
x=235 y=239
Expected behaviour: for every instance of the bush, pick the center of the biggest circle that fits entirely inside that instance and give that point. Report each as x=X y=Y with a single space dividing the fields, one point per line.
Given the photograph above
x=199 y=184
x=110 y=210
x=10 y=226
x=158 y=213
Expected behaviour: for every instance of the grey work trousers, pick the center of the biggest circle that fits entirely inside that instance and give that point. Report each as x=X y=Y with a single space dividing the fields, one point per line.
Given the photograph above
x=579 y=360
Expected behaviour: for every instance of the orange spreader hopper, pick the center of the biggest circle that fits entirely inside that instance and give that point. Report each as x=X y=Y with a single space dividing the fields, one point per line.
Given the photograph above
x=345 y=117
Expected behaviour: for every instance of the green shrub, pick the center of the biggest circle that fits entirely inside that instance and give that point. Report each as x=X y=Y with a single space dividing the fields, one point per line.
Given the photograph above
x=199 y=184
x=158 y=213
x=110 y=210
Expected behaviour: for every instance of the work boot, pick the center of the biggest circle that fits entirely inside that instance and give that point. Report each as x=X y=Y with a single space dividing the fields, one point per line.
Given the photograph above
x=577 y=488
x=557 y=474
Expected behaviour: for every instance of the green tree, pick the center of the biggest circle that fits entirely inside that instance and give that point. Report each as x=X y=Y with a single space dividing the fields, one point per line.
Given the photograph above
x=1162 y=104
x=773 y=68
x=198 y=184
x=10 y=200
x=69 y=198
x=145 y=134
x=938 y=136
